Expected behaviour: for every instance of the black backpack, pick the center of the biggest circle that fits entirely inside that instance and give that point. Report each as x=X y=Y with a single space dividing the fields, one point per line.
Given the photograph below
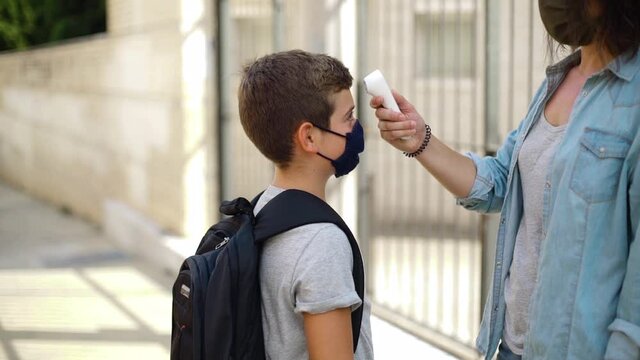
x=217 y=311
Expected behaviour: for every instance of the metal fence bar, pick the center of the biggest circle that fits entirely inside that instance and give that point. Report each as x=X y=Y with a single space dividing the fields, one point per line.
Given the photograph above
x=441 y=117
x=456 y=116
x=223 y=87
x=511 y=62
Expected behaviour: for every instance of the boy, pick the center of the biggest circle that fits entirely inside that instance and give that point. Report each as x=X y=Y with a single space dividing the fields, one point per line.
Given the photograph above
x=297 y=109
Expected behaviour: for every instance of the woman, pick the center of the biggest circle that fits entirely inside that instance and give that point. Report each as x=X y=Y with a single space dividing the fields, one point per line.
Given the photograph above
x=566 y=281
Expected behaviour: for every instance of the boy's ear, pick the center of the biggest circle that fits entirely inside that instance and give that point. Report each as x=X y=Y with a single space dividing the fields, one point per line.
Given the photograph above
x=306 y=137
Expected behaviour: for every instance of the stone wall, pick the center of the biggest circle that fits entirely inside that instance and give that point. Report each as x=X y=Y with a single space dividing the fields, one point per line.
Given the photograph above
x=123 y=116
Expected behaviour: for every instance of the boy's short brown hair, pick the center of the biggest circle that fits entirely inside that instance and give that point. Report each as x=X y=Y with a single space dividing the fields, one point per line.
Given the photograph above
x=281 y=90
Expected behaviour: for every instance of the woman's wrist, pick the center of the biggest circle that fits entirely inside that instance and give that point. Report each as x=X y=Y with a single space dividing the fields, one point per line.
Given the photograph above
x=423 y=144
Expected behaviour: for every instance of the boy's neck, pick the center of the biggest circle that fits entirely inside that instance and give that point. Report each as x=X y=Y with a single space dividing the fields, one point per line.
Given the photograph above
x=301 y=179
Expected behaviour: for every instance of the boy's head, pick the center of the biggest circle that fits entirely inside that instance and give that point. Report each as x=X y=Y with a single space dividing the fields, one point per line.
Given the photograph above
x=279 y=92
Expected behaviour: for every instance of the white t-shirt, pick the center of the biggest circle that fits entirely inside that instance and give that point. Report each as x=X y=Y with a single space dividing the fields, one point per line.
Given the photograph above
x=306 y=269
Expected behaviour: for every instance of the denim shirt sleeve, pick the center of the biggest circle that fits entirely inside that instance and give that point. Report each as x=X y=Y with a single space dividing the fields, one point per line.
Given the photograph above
x=624 y=342
x=492 y=172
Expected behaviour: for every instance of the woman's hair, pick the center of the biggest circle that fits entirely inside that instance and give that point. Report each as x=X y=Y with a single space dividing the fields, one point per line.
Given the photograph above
x=617 y=26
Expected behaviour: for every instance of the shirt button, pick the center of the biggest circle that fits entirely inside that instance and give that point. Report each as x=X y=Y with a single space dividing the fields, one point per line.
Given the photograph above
x=602 y=150
x=585 y=93
x=502 y=221
x=547 y=185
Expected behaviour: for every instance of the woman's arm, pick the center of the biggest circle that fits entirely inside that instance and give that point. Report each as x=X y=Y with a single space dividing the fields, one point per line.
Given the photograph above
x=453 y=170
x=479 y=183
x=329 y=335
x=624 y=341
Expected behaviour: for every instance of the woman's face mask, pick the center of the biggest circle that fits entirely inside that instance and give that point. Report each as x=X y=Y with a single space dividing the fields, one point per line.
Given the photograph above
x=566 y=22
x=353 y=147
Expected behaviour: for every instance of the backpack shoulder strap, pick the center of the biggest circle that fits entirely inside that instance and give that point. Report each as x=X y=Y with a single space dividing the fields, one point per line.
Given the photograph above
x=291 y=209
x=295 y=208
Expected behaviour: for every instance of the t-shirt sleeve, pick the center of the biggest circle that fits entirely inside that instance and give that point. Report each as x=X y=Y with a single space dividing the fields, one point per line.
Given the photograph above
x=323 y=279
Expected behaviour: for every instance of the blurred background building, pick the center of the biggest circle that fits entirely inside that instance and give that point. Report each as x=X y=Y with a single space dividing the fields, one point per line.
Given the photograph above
x=134 y=126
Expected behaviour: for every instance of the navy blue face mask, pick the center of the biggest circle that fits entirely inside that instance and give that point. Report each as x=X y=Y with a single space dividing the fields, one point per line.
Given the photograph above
x=353 y=147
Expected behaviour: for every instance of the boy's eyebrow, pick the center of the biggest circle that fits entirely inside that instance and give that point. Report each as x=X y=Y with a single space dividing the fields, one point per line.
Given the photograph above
x=350 y=111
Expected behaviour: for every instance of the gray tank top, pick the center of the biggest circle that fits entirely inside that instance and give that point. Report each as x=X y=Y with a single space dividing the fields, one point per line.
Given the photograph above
x=535 y=157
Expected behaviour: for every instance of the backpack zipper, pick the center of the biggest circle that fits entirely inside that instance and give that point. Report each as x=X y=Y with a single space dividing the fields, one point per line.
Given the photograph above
x=223 y=243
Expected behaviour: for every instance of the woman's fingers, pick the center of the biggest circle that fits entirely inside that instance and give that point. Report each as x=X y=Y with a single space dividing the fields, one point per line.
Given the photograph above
x=376 y=102
x=398 y=128
x=396 y=134
x=393 y=130
x=383 y=113
x=404 y=104
x=385 y=125
x=389 y=115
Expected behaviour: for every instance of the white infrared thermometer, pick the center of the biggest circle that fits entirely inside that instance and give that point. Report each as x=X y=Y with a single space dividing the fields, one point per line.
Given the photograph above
x=376 y=85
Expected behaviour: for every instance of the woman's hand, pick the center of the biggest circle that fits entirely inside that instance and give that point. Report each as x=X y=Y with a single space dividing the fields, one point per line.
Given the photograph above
x=455 y=171
x=395 y=126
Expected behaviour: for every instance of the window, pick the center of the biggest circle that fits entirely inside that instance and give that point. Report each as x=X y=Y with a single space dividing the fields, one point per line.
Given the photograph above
x=444 y=44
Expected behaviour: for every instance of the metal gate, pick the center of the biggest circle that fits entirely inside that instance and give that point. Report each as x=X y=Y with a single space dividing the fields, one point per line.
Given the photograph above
x=426 y=253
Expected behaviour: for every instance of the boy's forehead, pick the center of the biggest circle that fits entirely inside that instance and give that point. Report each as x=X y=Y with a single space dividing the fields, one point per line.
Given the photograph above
x=343 y=100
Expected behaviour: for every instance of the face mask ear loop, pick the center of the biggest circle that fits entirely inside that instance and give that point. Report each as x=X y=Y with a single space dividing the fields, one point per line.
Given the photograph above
x=324 y=156
x=329 y=130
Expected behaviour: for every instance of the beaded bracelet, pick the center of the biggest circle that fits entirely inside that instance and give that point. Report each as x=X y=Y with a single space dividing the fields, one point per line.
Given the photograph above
x=425 y=142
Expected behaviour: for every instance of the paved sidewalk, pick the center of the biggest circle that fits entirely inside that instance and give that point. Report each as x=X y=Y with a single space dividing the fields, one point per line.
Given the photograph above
x=67 y=292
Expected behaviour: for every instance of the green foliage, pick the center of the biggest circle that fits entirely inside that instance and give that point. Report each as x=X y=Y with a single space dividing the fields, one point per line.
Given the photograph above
x=24 y=23
x=17 y=20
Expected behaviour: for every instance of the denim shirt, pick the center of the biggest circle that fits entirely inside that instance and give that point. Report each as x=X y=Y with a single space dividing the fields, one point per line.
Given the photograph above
x=586 y=302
